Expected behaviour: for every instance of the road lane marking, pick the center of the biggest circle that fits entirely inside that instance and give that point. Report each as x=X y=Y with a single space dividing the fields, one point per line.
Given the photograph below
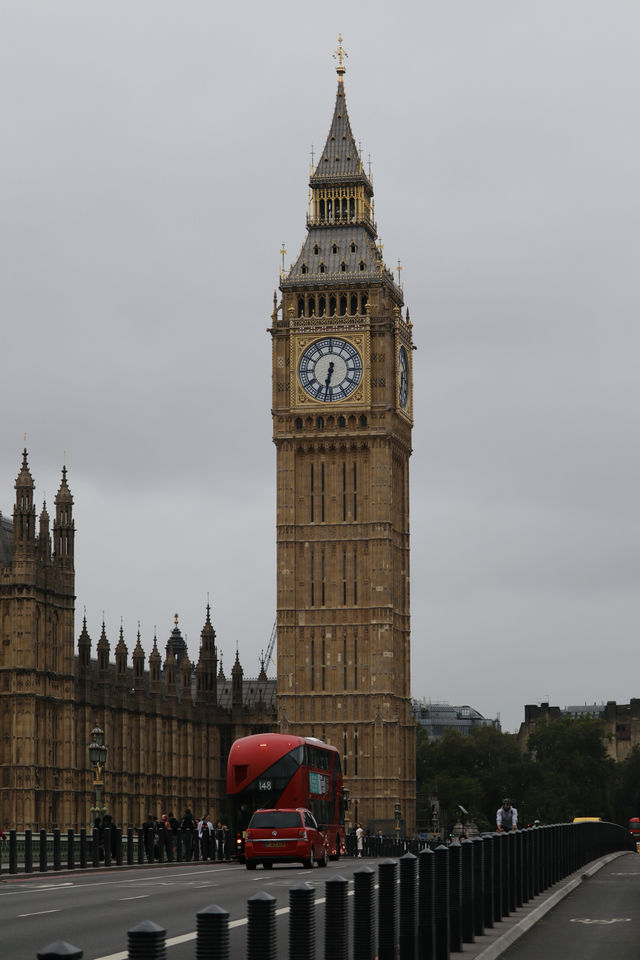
x=38 y=914
x=141 y=896
x=589 y=920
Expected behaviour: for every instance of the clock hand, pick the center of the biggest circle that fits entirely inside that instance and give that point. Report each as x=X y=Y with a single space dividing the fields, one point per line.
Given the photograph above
x=329 y=375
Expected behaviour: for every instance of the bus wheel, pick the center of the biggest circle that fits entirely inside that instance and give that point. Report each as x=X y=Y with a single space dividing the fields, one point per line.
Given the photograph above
x=251 y=864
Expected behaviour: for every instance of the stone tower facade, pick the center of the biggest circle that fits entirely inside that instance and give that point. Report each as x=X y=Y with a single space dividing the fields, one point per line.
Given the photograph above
x=342 y=419
x=168 y=725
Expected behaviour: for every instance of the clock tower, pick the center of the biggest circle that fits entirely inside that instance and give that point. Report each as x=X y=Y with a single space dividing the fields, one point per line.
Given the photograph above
x=342 y=419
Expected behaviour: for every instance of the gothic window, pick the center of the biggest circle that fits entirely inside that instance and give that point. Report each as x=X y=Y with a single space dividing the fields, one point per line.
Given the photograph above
x=332 y=306
x=355 y=493
x=301 y=306
x=334 y=248
x=343 y=305
x=322 y=585
x=324 y=649
x=322 y=209
x=344 y=579
x=313 y=603
x=303 y=268
x=352 y=208
x=312 y=307
x=322 y=268
x=298 y=423
x=316 y=249
x=362 y=267
x=329 y=207
x=344 y=207
x=355 y=753
x=313 y=655
x=311 y=494
x=322 y=497
x=363 y=301
x=343 y=267
x=363 y=420
x=341 y=421
x=322 y=302
x=354 y=304
x=353 y=246
x=320 y=423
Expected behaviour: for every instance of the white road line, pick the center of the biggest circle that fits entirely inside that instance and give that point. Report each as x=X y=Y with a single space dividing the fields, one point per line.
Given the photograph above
x=39 y=914
x=141 y=896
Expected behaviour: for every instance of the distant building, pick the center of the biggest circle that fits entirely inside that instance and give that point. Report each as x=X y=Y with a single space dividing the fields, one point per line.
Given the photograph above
x=436 y=718
x=621 y=723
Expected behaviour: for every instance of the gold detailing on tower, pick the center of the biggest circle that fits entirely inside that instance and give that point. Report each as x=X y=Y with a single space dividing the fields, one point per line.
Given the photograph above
x=338 y=55
x=283 y=253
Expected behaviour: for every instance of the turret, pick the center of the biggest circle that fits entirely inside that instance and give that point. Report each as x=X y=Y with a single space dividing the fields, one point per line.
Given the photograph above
x=84 y=651
x=155 y=665
x=206 y=686
x=237 y=676
x=63 y=528
x=102 y=651
x=121 y=660
x=24 y=513
x=138 y=666
x=44 y=538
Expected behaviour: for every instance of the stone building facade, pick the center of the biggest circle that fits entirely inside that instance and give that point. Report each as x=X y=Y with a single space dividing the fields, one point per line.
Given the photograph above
x=168 y=723
x=620 y=723
x=342 y=408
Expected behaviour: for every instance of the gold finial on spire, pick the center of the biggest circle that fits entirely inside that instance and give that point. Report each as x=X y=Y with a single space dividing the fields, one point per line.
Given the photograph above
x=175 y=619
x=399 y=269
x=338 y=55
x=283 y=253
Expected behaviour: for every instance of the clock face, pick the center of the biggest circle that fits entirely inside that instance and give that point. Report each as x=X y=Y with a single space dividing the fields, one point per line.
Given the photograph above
x=403 y=377
x=330 y=369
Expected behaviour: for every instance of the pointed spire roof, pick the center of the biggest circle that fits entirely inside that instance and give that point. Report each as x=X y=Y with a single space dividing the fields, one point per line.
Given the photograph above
x=64 y=494
x=84 y=637
x=24 y=478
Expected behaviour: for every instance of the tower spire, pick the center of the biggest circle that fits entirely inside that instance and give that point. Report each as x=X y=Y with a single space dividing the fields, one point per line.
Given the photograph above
x=338 y=55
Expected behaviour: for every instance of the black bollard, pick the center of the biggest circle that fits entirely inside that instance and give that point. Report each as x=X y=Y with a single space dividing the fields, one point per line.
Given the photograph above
x=302 y=922
x=364 y=914
x=147 y=941
x=60 y=950
x=488 y=849
x=83 y=848
x=387 y=910
x=336 y=919
x=129 y=846
x=179 y=846
x=426 y=905
x=43 y=851
x=261 y=927
x=107 y=836
x=468 y=903
x=96 y=847
x=455 y=896
x=512 y=882
x=441 y=913
x=57 y=859
x=71 y=853
x=140 y=845
x=117 y=841
x=212 y=934
x=28 y=851
x=408 y=906
x=518 y=869
x=478 y=886
x=13 y=851
x=505 y=874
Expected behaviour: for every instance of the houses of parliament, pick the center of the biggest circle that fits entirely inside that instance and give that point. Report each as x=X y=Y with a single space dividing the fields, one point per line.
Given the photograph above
x=342 y=412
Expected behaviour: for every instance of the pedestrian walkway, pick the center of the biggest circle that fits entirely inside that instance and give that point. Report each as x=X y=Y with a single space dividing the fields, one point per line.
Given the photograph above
x=495 y=941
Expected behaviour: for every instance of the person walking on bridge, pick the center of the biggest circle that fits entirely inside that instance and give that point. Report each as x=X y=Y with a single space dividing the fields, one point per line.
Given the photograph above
x=506 y=817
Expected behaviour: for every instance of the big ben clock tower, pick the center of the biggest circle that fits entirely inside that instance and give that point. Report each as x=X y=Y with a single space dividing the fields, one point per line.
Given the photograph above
x=342 y=418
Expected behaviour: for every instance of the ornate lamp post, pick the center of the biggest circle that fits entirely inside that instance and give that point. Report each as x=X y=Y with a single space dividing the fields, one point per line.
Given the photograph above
x=397 y=814
x=98 y=758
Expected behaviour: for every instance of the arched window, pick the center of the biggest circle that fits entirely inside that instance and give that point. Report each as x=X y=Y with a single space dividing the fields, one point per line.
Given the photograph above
x=298 y=423
x=316 y=249
x=343 y=267
x=362 y=267
x=334 y=248
x=363 y=420
x=352 y=208
x=343 y=305
x=341 y=421
x=322 y=268
x=322 y=306
x=353 y=246
x=322 y=209
x=303 y=268
x=320 y=423
x=301 y=306
x=332 y=306
x=354 y=304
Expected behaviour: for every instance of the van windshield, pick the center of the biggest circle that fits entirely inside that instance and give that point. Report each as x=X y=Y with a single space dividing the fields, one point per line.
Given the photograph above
x=268 y=819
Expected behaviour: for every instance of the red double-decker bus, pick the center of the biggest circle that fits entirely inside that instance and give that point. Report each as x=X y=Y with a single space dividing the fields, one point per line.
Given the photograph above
x=269 y=770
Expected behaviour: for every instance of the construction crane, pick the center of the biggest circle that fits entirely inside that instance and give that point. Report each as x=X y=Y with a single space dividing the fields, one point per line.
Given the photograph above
x=268 y=658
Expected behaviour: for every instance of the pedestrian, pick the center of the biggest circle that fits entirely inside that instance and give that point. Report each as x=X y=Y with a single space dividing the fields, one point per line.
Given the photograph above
x=204 y=833
x=219 y=836
x=225 y=842
x=166 y=836
x=188 y=827
x=359 y=839
x=506 y=817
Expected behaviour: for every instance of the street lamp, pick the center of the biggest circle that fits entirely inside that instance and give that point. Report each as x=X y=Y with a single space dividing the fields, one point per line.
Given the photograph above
x=397 y=813
x=98 y=758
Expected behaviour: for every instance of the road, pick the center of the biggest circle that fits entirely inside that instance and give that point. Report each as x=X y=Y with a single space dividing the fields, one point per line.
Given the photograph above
x=93 y=910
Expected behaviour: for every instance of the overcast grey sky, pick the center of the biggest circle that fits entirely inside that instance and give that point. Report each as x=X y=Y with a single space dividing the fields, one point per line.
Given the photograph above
x=154 y=157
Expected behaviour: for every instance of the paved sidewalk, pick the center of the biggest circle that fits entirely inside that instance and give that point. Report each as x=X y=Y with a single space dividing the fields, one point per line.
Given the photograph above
x=495 y=941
